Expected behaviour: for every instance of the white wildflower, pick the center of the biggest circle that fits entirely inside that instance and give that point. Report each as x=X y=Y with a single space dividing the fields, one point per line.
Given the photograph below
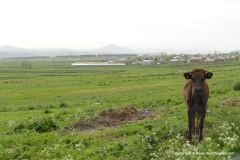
x=208 y=139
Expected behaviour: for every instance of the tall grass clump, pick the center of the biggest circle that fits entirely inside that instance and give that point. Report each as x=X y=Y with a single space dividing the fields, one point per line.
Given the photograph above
x=237 y=86
x=41 y=125
x=47 y=124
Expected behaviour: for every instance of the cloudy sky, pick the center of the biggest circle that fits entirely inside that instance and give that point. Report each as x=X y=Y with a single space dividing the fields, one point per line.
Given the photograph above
x=83 y=24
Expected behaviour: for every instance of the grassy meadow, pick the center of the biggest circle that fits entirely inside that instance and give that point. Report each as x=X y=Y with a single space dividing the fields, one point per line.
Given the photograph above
x=37 y=106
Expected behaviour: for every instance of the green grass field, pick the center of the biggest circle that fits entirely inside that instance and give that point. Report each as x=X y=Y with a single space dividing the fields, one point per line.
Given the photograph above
x=36 y=106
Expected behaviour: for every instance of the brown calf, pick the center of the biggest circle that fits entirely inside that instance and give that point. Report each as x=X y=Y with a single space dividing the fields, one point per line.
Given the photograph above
x=196 y=93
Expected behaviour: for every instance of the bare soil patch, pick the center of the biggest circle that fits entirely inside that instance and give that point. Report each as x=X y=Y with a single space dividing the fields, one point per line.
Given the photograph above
x=231 y=102
x=112 y=118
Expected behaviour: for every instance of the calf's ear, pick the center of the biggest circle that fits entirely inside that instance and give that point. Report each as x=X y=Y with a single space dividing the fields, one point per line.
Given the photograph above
x=187 y=75
x=208 y=75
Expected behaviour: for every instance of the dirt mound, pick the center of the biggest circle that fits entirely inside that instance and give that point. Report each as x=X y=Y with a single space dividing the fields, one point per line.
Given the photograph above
x=112 y=118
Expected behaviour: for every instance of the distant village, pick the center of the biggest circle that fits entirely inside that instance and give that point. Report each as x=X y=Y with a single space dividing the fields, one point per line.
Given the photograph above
x=190 y=59
x=204 y=58
x=162 y=58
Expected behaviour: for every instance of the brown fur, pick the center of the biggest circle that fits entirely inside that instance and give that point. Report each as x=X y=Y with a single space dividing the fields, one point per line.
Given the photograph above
x=196 y=101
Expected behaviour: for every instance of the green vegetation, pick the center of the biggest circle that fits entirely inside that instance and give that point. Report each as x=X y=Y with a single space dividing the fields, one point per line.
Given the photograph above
x=38 y=106
x=27 y=64
x=237 y=86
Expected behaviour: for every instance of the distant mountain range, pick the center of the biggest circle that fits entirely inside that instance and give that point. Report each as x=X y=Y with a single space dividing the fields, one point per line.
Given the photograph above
x=8 y=51
x=112 y=48
x=13 y=52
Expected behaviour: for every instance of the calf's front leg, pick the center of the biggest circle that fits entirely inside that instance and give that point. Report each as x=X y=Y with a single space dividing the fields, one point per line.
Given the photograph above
x=190 y=125
x=201 y=124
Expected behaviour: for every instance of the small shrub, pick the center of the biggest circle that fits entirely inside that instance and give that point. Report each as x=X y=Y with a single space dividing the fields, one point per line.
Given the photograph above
x=30 y=108
x=148 y=127
x=19 y=127
x=4 y=109
x=237 y=86
x=63 y=105
x=47 y=111
x=45 y=125
x=51 y=106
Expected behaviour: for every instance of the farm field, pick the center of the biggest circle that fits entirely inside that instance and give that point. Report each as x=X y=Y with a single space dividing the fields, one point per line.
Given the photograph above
x=55 y=111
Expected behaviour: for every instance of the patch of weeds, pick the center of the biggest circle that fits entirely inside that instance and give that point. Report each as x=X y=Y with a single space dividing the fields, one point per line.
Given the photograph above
x=63 y=105
x=237 y=86
x=30 y=108
x=46 y=124
x=47 y=111
x=148 y=127
x=19 y=128
x=51 y=106
x=222 y=144
x=4 y=109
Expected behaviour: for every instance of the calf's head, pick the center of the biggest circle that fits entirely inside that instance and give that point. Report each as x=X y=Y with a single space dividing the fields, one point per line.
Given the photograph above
x=198 y=77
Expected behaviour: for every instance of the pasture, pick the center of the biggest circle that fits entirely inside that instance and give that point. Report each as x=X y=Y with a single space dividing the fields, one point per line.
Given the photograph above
x=39 y=108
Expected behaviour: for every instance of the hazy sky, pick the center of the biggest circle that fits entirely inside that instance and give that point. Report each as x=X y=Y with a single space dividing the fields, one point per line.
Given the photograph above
x=82 y=24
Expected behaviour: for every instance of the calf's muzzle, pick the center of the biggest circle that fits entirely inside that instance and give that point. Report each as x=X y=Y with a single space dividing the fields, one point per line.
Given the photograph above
x=198 y=90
